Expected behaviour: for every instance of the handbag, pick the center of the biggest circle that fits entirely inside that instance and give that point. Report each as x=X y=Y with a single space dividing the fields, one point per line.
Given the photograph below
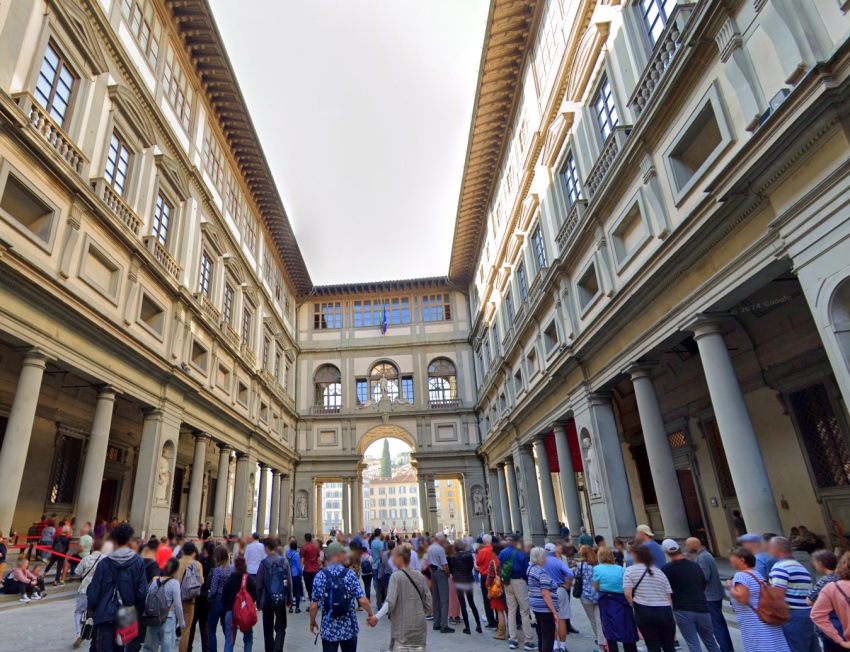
x=578 y=584
x=87 y=629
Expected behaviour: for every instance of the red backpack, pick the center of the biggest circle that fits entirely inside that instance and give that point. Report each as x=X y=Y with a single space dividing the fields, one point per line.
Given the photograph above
x=244 y=610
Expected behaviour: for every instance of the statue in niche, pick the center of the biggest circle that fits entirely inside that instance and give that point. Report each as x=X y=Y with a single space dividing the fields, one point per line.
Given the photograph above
x=591 y=468
x=519 y=488
x=477 y=502
x=384 y=386
x=163 y=479
x=301 y=506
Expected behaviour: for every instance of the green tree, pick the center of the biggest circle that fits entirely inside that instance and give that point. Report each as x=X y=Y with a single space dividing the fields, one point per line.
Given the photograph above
x=386 y=462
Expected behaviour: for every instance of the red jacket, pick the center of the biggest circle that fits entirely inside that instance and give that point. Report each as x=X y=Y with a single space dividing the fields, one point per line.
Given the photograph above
x=310 y=558
x=483 y=558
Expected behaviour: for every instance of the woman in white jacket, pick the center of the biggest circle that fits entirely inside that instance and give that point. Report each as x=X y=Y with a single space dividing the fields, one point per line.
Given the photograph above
x=85 y=571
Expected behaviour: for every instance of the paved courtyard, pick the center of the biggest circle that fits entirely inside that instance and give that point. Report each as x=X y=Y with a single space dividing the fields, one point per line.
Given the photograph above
x=48 y=626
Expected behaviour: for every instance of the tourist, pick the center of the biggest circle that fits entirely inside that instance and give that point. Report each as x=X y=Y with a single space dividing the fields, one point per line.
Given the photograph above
x=61 y=545
x=757 y=545
x=30 y=586
x=149 y=554
x=584 y=538
x=792 y=578
x=408 y=603
x=648 y=591
x=309 y=563
x=589 y=596
x=825 y=563
x=385 y=570
x=495 y=593
x=483 y=556
x=690 y=607
x=190 y=574
x=164 y=552
x=714 y=593
x=461 y=566
x=46 y=539
x=167 y=590
x=644 y=535
x=85 y=544
x=339 y=628
x=255 y=552
x=86 y=572
x=274 y=586
x=619 y=552
x=366 y=571
x=221 y=572
x=4 y=552
x=439 y=566
x=618 y=623
x=809 y=542
x=294 y=560
x=738 y=524
x=202 y=603
x=562 y=576
x=745 y=589
x=229 y=592
x=376 y=547
x=513 y=572
x=543 y=599
x=831 y=612
x=120 y=575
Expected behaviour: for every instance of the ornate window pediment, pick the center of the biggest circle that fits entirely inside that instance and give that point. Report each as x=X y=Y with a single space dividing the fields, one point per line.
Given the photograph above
x=173 y=174
x=555 y=136
x=134 y=115
x=78 y=27
x=212 y=236
x=588 y=51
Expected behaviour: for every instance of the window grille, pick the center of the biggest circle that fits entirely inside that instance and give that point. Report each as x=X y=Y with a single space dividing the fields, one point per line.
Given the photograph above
x=677 y=439
x=718 y=455
x=820 y=429
x=64 y=481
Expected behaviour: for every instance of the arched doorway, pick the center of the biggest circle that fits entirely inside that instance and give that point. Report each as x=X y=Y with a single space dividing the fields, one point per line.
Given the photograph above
x=390 y=484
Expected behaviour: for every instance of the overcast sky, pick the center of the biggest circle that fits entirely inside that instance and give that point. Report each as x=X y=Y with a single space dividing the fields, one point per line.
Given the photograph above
x=363 y=110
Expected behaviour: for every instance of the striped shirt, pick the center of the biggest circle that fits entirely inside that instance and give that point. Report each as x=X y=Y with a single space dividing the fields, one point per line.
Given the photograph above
x=792 y=576
x=653 y=590
x=539 y=579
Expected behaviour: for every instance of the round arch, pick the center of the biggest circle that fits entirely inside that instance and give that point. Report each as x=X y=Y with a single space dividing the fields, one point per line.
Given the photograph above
x=382 y=431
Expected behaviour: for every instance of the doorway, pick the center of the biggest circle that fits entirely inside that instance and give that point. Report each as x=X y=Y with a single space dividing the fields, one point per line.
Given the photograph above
x=693 y=511
x=108 y=498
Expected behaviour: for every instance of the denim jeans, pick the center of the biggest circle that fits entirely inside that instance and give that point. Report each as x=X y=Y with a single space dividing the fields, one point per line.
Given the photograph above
x=657 y=626
x=230 y=633
x=695 y=627
x=343 y=646
x=161 y=635
x=721 y=629
x=800 y=632
x=215 y=620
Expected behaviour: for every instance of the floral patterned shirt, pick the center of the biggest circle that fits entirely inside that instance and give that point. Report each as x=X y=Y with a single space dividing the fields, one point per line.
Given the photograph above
x=346 y=627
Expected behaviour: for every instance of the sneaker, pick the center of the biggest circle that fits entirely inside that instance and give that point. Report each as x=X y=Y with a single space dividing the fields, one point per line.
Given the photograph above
x=447 y=630
x=572 y=630
x=291 y=610
x=25 y=599
x=529 y=646
x=429 y=617
x=478 y=630
x=436 y=628
x=36 y=596
x=62 y=583
x=512 y=645
x=466 y=630
x=298 y=611
x=78 y=642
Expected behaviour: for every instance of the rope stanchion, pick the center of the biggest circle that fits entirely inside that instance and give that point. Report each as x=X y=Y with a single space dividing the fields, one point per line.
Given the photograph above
x=22 y=546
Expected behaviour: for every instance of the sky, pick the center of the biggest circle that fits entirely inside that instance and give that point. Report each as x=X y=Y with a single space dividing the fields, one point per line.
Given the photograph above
x=376 y=448
x=363 y=110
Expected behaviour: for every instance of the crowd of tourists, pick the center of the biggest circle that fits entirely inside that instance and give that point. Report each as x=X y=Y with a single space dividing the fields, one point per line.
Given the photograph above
x=160 y=594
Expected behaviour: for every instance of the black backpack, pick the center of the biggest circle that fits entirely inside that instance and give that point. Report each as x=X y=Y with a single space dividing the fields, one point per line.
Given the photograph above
x=275 y=585
x=338 y=598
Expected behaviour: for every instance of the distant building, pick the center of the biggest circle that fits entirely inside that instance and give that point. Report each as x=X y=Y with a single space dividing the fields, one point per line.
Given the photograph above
x=394 y=502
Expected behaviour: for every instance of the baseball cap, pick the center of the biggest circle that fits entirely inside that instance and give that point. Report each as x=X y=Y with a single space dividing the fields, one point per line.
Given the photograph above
x=670 y=545
x=550 y=547
x=749 y=537
x=334 y=549
x=646 y=530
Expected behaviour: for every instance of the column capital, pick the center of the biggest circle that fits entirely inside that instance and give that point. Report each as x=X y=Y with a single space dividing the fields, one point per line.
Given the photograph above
x=599 y=398
x=558 y=426
x=107 y=392
x=200 y=436
x=540 y=438
x=642 y=369
x=222 y=448
x=35 y=356
x=705 y=323
x=241 y=456
x=263 y=466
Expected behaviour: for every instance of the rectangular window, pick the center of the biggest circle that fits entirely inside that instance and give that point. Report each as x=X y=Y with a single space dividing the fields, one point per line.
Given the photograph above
x=605 y=109
x=63 y=482
x=277 y=358
x=497 y=351
x=327 y=315
x=227 y=305
x=509 y=309
x=144 y=26
x=367 y=313
x=265 y=361
x=249 y=232
x=247 y=318
x=177 y=90
x=522 y=282
x=436 y=307
x=407 y=388
x=538 y=247
x=569 y=179
x=161 y=220
x=213 y=159
x=206 y=274
x=488 y=358
x=398 y=310
x=233 y=199
x=117 y=163
x=362 y=388
x=656 y=13
x=55 y=86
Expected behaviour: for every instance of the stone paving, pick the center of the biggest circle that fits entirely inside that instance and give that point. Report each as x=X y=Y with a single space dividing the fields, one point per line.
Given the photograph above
x=48 y=626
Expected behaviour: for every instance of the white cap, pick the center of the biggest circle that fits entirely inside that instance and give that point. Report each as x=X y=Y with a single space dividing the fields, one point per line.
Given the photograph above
x=670 y=545
x=550 y=547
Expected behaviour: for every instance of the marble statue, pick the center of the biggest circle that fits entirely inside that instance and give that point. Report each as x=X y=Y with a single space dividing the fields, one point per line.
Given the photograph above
x=163 y=479
x=591 y=467
x=301 y=507
x=477 y=502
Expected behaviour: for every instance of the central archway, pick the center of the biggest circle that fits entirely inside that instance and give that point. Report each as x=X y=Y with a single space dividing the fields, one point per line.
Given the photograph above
x=382 y=432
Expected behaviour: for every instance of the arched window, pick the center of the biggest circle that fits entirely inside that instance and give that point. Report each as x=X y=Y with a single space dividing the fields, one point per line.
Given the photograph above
x=383 y=379
x=442 y=381
x=328 y=387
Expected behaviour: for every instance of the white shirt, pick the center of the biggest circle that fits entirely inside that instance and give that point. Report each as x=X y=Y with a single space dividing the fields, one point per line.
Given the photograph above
x=414 y=561
x=255 y=552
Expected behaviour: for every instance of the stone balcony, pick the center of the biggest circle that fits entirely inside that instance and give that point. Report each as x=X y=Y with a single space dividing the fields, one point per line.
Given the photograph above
x=322 y=410
x=610 y=150
x=117 y=205
x=537 y=283
x=447 y=404
x=230 y=333
x=52 y=133
x=162 y=256
x=568 y=228
x=207 y=306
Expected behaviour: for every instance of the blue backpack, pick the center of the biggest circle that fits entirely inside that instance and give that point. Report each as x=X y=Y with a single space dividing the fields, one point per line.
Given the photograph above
x=366 y=566
x=275 y=585
x=338 y=598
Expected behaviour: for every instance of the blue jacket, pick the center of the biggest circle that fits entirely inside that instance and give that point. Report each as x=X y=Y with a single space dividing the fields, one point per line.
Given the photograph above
x=520 y=567
x=125 y=568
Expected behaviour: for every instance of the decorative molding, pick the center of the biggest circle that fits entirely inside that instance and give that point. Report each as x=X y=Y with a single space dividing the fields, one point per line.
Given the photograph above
x=213 y=236
x=728 y=39
x=555 y=137
x=584 y=63
x=137 y=118
x=78 y=27
x=173 y=174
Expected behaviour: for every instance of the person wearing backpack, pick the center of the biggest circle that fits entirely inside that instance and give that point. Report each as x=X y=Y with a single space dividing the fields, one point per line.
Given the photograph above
x=337 y=591
x=274 y=586
x=86 y=570
x=747 y=588
x=294 y=560
x=116 y=595
x=513 y=573
x=367 y=571
x=190 y=575
x=163 y=614
x=240 y=615
x=220 y=573
x=202 y=605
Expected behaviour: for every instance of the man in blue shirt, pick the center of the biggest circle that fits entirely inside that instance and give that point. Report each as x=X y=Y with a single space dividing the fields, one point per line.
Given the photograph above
x=757 y=545
x=645 y=536
x=516 y=592
x=563 y=577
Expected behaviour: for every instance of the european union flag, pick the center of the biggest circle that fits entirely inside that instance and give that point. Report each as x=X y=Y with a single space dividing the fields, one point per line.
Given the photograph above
x=384 y=321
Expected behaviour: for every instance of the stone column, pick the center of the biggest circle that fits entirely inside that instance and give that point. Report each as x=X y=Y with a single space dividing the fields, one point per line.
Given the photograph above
x=262 y=500
x=495 y=502
x=285 y=516
x=357 y=505
x=433 y=518
x=319 y=510
x=662 y=467
x=274 y=521
x=746 y=464
x=513 y=493
x=16 y=443
x=92 y=478
x=502 y=475
x=547 y=489
x=531 y=494
x=569 y=488
x=241 y=524
x=223 y=479
x=423 y=502
x=346 y=506
x=196 y=485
